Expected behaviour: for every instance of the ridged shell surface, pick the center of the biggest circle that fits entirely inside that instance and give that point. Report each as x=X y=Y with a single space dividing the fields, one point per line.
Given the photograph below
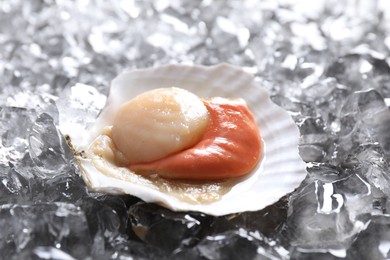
x=279 y=173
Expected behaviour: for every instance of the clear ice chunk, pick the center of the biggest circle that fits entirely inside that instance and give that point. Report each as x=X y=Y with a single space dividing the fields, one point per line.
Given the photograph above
x=166 y=229
x=14 y=123
x=314 y=141
x=58 y=225
x=235 y=245
x=324 y=217
x=47 y=147
x=373 y=242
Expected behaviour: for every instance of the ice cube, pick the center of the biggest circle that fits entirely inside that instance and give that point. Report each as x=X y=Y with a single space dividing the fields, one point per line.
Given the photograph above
x=373 y=242
x=58 y=225
x=235 y=245
x=47 y=148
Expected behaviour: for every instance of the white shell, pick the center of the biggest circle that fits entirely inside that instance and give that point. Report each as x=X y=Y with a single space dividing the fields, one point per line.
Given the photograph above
x=280 y=172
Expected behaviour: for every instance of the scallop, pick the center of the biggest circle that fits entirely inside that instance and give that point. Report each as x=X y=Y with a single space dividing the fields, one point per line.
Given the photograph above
x=160 y=122
x=104 y=165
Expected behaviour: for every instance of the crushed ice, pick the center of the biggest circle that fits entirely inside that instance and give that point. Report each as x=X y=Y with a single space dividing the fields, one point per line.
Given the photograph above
x=326 y=62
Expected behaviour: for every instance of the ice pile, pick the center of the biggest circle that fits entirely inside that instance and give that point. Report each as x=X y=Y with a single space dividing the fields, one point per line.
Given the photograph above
x=327 y=62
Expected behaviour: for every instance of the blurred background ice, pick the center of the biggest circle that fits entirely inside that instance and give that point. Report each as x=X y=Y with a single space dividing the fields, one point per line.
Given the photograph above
x=326 y=62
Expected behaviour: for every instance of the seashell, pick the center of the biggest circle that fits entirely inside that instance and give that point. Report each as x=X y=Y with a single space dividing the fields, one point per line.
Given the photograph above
x=280 y=171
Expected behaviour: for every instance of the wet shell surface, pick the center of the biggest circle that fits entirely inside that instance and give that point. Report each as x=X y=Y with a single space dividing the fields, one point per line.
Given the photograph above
x=280 y=171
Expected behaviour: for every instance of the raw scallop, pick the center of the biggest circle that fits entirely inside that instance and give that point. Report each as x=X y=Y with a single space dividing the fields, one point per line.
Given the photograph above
x=158 y=123
x=280 y=171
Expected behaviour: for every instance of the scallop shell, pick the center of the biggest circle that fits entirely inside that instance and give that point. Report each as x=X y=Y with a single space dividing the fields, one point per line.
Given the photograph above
x=279 y=173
